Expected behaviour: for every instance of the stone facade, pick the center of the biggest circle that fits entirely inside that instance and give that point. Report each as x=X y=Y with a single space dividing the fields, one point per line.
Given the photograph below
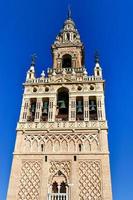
x=61 y=149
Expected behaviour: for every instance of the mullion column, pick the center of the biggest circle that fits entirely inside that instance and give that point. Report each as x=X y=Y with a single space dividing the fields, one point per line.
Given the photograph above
x=25 y=110
x=51 y=109
x=103 y=107
x=100 y=108
x=38 y=110
x=72 y=108
x=86 y=108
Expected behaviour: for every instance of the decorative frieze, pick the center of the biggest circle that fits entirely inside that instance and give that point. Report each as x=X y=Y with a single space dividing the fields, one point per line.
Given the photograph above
x=62 y=125
x=62 y=143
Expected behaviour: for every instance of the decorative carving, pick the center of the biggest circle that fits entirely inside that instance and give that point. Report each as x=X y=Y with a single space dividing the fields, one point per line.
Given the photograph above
x=63 y=166
x=29 y=188
x=90 y=180
x=62 y=142
x=63 y=124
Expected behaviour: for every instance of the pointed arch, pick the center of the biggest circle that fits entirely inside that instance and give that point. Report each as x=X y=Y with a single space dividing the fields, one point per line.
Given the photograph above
x=87 y=145
x=64 y=146
x=72 y=146
x=58 y=177
x=35 y=146
x=27 y=146
x=80 y=146
x=49 y=146
x=56 y=146
x=94 y=145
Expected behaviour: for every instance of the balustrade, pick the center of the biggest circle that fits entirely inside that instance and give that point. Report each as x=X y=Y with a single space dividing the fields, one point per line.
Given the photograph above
x=48 y=79
x=57 y=196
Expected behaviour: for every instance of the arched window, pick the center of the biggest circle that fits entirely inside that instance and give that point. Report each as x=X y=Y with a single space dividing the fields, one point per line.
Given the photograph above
x=45 y=108
x=68 y=36
x=55 y=187
x=62 y=104
x=93 y=108
x=63 y=187
x=79 y=108
x=31 y=116
x=66 y=61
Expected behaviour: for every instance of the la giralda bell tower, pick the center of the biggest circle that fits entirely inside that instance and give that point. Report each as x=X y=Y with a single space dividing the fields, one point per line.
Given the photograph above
x=61 y=150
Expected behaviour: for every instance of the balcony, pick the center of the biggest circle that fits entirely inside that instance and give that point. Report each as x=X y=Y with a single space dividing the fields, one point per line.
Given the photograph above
x=57 y=196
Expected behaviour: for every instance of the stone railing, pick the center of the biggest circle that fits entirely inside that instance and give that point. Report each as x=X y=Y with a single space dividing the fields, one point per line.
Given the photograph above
x=62 y=125
x=57 y=196
x=51 y=80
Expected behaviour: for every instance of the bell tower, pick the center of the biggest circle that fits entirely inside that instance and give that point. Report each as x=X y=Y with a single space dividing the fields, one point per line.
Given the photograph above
x=61 y=150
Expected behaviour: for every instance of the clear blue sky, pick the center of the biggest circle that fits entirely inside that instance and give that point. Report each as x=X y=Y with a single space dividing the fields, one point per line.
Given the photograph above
x=28 y=26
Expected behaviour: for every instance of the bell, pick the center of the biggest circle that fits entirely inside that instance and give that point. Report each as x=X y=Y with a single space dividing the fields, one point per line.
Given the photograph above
x=61 y=104
x=92 y=106
x=45 y=108
x=79 y=107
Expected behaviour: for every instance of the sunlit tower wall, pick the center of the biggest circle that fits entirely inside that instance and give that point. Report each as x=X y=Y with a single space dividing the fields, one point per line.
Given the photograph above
x=61 y=150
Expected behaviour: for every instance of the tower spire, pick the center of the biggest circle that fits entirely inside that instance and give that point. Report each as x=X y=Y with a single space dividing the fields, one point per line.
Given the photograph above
x=33 y=59
x=69 y=12
x=96 y=57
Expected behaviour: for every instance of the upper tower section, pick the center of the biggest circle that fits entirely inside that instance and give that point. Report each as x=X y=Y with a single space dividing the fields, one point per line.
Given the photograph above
x=68 y=50
x=66 y=93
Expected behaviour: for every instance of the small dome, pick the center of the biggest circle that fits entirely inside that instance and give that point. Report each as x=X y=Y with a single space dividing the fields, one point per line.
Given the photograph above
x=69 y=21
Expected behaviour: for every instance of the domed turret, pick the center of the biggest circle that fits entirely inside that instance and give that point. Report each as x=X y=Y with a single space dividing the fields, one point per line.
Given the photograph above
x=68 y=50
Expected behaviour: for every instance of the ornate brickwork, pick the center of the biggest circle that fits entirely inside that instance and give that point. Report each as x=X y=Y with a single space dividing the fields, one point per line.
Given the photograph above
x=63 y=124
x=29 y=188
x=63 y=166
x=90 y=180
x=62 y=142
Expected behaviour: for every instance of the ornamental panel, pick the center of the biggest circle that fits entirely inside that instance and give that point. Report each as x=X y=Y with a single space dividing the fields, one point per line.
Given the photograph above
x=29 y=188
x=63 y=166
x=62 y=142
x=90 y=180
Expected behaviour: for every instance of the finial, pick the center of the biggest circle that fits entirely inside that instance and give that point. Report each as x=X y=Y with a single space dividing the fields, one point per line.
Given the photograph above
x=33 y=59
x=69 y=12
x=43 y=74
x=96 y=57
x=85 y=71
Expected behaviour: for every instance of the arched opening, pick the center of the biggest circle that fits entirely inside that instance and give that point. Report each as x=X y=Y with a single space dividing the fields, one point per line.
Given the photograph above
x=63 y=187
x=93 y=108
x=59 y=187
x=32 y=110
x=62 y=104
x=66 y=61
x=45 y=108
x=55 y=187
x=68 y=36
x=79 y=108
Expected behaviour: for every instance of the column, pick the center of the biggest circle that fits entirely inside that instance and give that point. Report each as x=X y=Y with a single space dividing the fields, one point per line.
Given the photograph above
x=38 y=109
x=24 y=110
x=86 y=108
x=100 y=108
x=73 y=62
x=103 y=107
x=51 y=112
x=72 y=108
